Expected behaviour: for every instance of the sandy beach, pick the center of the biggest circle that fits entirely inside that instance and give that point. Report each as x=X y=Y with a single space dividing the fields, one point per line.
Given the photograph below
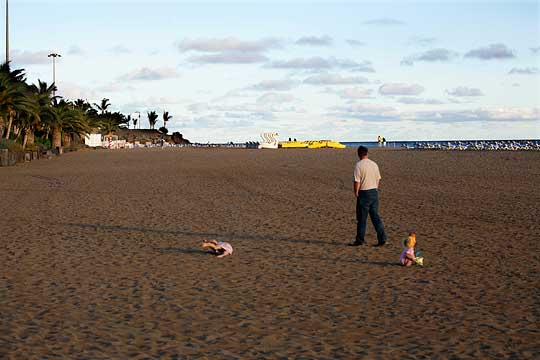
x=100 y=257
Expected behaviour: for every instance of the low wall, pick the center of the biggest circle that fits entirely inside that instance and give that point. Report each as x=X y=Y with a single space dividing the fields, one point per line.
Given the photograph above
x=11 y=158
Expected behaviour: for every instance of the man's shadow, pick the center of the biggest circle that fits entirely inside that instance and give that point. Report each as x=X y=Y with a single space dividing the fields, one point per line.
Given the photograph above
x=190 y=251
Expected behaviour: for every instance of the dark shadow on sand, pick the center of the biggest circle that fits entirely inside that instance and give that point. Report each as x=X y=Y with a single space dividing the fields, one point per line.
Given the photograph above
x=192 y=251
x=341 y=260
x=198 y=234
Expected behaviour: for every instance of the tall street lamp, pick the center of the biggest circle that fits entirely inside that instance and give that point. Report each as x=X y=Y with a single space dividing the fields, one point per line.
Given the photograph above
x=54 y=56
x=138 y=118
x=7 y=31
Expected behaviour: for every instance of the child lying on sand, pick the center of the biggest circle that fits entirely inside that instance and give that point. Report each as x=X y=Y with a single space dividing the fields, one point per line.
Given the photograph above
x=219 y=248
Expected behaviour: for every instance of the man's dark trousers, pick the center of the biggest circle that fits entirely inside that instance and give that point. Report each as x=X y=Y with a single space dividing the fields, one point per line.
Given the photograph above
x=367 y=203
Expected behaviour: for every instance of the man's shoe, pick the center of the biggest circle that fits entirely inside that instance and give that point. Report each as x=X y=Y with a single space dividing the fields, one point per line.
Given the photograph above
x=357 y=244
x=380 y=244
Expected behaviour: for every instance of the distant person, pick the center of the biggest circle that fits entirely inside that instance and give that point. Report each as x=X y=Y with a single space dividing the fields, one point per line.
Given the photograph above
x=366 y=184
x=219 y=248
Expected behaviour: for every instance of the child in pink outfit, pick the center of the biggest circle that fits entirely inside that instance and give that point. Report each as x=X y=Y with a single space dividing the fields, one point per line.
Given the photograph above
x=219 y=248
x=407 y=257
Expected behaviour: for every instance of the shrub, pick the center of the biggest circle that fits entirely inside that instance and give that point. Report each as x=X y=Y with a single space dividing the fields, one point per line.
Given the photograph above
x=10 y=145
x=43 y=143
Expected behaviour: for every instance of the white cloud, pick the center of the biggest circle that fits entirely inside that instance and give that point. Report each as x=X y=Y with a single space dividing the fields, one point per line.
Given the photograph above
x=228 y=44
x=119 y=50
x=315 y=41
x=319 y=63
x=490 y=52
x=355 y=43
x=422 y=40
x=439 y=55
x=335 y=79
x=462 y=91
x=355 y=93
x=275 y=98
x=157 y=103
x=419 y=101
x=76 y=50
x=525 y=71
x=21 y=57
x=73 y=91
x=115 y=87
x=145 y=73
x=400 y=89
x=480 y=115
x=378 y=112
x=366 y=112
x=229 y=57
x=274 y=85
x=535 y=50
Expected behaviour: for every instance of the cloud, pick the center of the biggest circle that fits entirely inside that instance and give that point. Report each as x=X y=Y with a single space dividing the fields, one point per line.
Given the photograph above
x=273 y=85
x=480 y=115
x=419 y=101
x=462 y=91
x=145 y=73
x=383 y=22
x=216 y=45
x=355 y=43
x=525 y=71
x=490 y=52
x=366 y=112
x=115 y=87
x=441 y=55
x=315 y=41
x=535 y=50
x=275 y=98
x=156 y=103
x=378 y=112
x=229 y=57
x=422 y=41
x=73 y=91
x=30 y=57
x=355 y=93
x=401 y=89
x=119 y=50
x=76 y=50
x=319 y=63
x=335 y=79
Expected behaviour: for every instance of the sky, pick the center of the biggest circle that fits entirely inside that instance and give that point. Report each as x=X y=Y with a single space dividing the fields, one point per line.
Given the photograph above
x=341 y=70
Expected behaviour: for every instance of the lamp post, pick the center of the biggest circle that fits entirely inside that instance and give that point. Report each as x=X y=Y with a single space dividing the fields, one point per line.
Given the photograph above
x=138 y=118
x=7 y=31
x=54 y=56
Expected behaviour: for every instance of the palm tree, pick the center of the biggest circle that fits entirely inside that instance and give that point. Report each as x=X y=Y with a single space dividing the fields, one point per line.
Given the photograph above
x=103 y=106
x=166 y=117
x=12 y=84
x=152 y=119
x=29 y=115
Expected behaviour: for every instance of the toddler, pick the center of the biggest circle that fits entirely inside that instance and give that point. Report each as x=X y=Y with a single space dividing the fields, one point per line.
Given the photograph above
x=408 y=256
x=219 y=248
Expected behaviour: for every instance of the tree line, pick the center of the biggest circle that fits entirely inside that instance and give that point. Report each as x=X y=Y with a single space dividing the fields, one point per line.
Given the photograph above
x=32 y=113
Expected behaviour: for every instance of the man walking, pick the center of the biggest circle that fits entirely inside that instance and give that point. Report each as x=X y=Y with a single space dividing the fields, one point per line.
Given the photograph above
x=366 y=183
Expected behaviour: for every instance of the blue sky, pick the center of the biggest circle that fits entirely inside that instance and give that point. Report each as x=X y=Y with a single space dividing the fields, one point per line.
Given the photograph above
x=348 y=70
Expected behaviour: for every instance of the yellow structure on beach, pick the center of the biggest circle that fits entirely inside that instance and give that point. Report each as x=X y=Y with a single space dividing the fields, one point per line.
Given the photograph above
x=311 y=144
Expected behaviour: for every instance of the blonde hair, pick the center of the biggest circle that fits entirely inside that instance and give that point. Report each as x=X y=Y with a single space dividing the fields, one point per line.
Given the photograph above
x=410 y=241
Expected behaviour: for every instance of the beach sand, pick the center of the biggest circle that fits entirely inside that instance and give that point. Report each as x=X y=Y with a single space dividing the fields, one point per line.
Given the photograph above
x=100 y=257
